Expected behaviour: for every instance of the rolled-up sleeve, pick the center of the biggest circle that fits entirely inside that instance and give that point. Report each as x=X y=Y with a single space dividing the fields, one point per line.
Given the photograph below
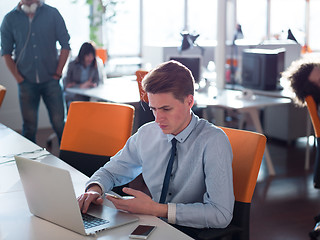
x=62 y=32
x=6 y=37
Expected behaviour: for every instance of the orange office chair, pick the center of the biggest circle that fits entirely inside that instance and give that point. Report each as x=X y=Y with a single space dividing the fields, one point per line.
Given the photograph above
x=145 y=114
x=313 y=112
x=94 y=132
x=102 y=54
x=140 y=74
x=3 y=91
x=248 y=148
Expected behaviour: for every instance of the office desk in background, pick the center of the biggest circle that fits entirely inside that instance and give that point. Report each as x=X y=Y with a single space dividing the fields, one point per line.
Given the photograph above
x=294 y=120
x=16 y=221
x=118 y=90
x=125 y=90
x=232 y=99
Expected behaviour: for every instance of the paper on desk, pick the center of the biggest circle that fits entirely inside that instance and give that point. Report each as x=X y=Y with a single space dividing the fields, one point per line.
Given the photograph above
x=35 y=154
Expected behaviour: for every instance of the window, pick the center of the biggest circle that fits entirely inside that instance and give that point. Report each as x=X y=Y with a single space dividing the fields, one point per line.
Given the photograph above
x=314 y=33
x=76 y=18
x=282 y=19
x=203 y=19
x=122 y=38
x=252 y=16
x=163 y=21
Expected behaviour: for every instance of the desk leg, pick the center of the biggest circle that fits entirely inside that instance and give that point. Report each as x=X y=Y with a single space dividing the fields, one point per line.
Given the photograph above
x=254 y=114
x=242 y=120
x=307 y=158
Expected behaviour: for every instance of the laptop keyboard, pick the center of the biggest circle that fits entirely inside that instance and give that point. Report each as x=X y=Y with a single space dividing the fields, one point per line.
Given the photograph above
x=90 y=221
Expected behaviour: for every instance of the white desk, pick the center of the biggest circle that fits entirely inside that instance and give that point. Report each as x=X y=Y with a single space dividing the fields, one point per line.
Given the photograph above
x=119 y=90
x=231 y=99
x=16 y=222
x=285 y=92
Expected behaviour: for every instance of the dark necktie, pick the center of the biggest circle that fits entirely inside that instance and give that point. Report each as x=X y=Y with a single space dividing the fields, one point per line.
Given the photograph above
x=168 y=172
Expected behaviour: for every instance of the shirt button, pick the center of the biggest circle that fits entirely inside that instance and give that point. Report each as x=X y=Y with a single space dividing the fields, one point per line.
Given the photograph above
x=35 y=57
x=34 y=46
x=33 y=34
x=170 y=194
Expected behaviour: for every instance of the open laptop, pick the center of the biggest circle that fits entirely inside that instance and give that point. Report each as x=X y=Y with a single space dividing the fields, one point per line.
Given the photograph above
x=51 y=196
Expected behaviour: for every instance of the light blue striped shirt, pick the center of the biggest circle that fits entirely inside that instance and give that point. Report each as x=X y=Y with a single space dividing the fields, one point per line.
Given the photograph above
x=201 y=186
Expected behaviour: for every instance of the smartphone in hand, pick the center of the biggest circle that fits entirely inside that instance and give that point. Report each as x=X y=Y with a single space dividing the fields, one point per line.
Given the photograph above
x=119 y=197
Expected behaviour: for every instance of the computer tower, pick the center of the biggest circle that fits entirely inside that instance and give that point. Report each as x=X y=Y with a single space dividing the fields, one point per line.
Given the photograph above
x=261 y=68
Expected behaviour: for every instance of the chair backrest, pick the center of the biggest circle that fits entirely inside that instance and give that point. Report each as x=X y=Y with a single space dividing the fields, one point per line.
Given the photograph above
x=102 y=54
x=95 y=130
x=3 y=91
x=313 y=111
x=248 y=149
x=140 y=75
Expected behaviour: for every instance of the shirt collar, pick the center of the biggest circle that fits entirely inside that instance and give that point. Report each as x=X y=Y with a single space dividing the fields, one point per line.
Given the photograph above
x=183 y=135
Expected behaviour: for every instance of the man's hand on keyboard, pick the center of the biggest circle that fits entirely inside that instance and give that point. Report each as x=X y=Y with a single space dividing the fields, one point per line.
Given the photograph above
x=92 y=195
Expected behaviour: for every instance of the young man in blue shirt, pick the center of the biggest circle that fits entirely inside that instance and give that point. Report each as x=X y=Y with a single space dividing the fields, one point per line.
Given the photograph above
x=200 y=191
x=31 y=31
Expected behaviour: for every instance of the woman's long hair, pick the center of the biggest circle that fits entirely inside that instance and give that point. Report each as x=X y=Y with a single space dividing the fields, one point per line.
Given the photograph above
x=86 y=49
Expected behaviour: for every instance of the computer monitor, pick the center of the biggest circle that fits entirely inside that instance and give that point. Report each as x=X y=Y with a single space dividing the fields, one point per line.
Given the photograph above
x=193 y=63
x=261 y=68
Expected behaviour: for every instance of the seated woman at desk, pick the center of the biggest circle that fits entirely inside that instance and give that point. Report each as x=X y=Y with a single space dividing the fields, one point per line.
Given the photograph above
x=304 y=77
x=83 y=72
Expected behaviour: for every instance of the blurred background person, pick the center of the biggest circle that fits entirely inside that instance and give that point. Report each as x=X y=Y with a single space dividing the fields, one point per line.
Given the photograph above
x=29 y=34
x=304 y=77
x=83 y=72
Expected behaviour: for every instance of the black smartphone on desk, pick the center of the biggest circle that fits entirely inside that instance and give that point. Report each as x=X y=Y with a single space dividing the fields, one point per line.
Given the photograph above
x=142 y=232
